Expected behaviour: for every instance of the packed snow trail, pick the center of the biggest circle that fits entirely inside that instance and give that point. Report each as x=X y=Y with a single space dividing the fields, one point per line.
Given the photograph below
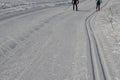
x=49 y=44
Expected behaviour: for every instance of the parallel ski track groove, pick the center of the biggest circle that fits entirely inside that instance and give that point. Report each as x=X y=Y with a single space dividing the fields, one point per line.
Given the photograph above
x=88 y=27
x=89 y=43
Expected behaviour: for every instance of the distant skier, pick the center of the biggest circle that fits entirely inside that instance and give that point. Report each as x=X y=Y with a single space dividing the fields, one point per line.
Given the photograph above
x=75 y=4
x=98 y=2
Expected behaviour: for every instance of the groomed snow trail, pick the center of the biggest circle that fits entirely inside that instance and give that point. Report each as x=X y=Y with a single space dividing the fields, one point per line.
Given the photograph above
x=50 y=44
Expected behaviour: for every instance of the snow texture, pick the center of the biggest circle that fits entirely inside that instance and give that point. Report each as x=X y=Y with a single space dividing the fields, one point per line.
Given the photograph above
x=46 y=40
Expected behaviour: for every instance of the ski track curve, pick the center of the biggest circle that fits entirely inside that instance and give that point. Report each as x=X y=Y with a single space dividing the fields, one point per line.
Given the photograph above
x=99 y=70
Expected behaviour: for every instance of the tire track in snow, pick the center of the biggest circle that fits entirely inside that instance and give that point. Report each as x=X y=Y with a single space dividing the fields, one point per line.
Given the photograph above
x=99 y=71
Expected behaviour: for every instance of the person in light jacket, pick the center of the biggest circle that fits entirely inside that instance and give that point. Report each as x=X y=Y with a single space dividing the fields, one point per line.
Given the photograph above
x=75 y=4
x=98 y=2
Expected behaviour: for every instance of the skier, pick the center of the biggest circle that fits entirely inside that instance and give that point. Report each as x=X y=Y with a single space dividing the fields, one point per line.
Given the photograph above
x=98 y=2
x=75 y=4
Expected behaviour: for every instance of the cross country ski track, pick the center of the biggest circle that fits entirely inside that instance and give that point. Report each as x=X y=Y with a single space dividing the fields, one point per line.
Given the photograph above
x=98 y=67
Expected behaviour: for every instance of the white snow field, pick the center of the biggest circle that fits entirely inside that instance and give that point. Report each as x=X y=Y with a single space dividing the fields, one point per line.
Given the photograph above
x=107 y=27
x=52 y=42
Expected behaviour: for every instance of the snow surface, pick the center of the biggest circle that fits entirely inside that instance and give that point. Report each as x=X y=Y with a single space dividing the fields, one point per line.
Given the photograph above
x=13 y=3
x=46 y=40
x=108 y=28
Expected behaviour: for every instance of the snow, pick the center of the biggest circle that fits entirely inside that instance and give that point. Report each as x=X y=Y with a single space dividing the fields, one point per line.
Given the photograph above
x=46 y=40
x=13 y=3
x=14 y=7
x=109 y=28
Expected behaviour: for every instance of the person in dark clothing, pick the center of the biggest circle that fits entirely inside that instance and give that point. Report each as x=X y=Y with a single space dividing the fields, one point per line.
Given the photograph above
x=98 y=2
x=75 y=4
